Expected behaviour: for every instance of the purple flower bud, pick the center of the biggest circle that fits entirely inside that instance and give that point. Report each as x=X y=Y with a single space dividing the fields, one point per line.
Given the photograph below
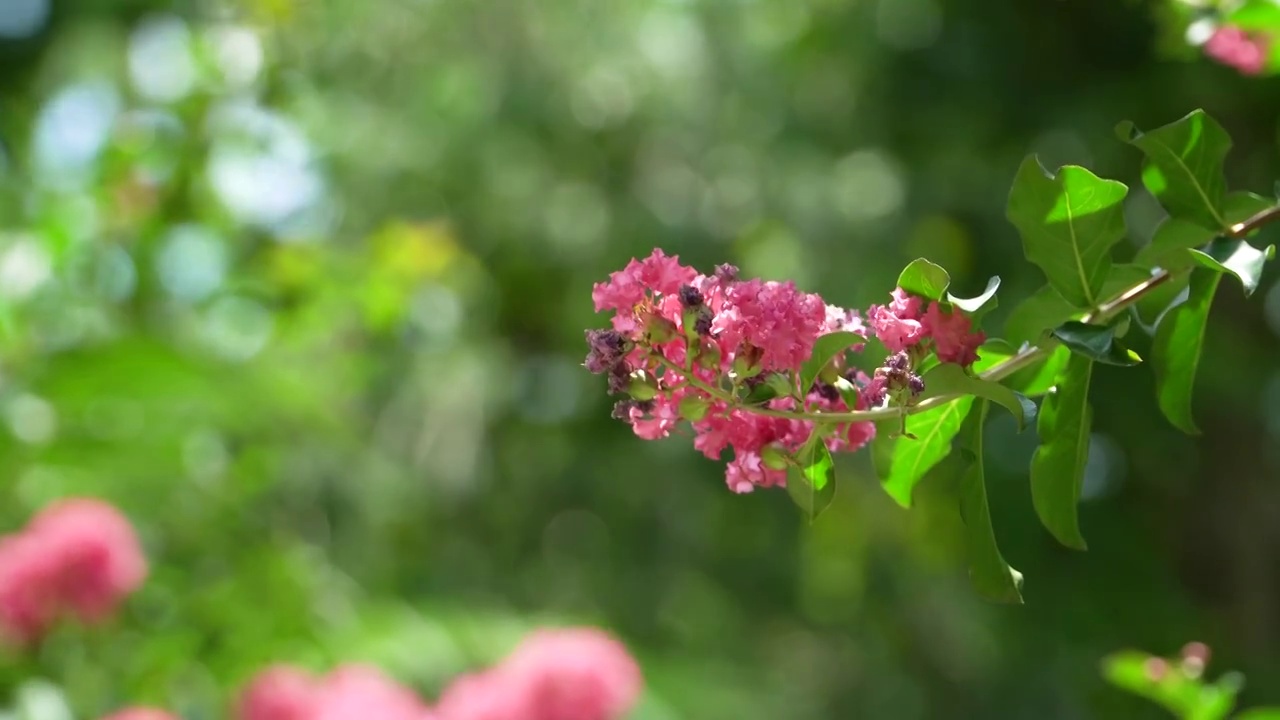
x=726 y=272
x=828 y=392
x=690 y=296
x=898 y=361
x=607 y=349
x=876 y=390
x=619 y=379
x=702 y=325
x=916 y=383
x=622 y=409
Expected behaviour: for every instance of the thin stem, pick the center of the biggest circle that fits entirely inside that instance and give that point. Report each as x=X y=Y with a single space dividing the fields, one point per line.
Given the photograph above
x=1240 y=229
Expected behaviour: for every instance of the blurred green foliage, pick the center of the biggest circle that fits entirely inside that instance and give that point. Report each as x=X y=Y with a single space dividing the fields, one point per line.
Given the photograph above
x=301 y=286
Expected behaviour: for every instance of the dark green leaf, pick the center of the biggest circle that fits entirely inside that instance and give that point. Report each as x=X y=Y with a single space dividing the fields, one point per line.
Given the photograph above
x=1260 y=714
x=1236 y=257
x=1068 y=224
x=1096 y=342
x=991 y=575
x=925 y=279
x=774 y=385
x=1176 y=350
x=1037 y=379
x=902 y=462
x=1183 y=169
x=1168 y=247
x=811 y=482
x=982 y=303
x=949 y=378
x=1057 y=467
x=824 y=350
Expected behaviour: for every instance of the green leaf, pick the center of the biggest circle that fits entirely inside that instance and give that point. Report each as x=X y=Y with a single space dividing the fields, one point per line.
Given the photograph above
x=982 y=303
x=902 y=462
x=1255 y=15
x=1038 y=379
x=990 y=574
x=1184 y=696
x=1153 y=305
x=811 y=481
x=1096 y=342
x=992 y=353
x=1271 y=713
x=1068 y=224
x=949 y=378
x=1057 y=467
x=1236 y=257
x=1175 y=353
x=925 y=279
x=824 y=350
x=1046 y=309
x=1183 y=169
x=1168 y=247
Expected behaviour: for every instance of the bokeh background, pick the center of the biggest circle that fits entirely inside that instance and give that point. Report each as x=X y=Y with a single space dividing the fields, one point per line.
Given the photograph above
x=301 y=286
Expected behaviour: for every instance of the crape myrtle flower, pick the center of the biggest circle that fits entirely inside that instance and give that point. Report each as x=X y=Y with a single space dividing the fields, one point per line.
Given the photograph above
x=76 y=558
x=687 y=347
x=553 y=674
x=1236 y=48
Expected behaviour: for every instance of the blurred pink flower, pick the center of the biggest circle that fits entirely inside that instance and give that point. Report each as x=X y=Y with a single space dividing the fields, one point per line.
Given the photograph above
x=280 y=692
x=554 y=674
x=1232 y=46
x=350 y=692
x=78 y=556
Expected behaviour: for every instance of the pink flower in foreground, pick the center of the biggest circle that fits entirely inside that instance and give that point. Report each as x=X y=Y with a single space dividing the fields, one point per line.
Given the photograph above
x=779 y=320
x=897 y=324
x=141 y=713
x=1234 y=47
x=77 y=556
x=951 y=337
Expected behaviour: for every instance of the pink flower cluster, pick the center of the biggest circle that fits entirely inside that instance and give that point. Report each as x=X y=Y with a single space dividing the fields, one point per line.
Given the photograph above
x=904 y=325
x=350 y=692
x=692 y=347
x=560 y=674
x=77 y=557
x=1236 y=48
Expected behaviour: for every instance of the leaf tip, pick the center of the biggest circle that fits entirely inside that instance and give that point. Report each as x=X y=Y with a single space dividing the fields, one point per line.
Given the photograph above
x=1126 y=131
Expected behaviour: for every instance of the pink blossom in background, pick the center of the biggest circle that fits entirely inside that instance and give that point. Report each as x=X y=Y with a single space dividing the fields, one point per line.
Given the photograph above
x=554 y=674
x=576 y=674
x=141 y=713
x=491 y=695
x=279 y=693
x=360 y=692
x=349 y=692
x=78 y=556
x=1234 y=47
x=897 y=324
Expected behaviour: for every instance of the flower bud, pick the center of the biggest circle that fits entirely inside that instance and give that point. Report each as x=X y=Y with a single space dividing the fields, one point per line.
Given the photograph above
x=775 y=457
x=1195 y=656
x=642 y=386
x=690 y=297
x=693 y=408
x=726 y=272
x=747 y=363
x=1155 y=669
x=659 y=330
